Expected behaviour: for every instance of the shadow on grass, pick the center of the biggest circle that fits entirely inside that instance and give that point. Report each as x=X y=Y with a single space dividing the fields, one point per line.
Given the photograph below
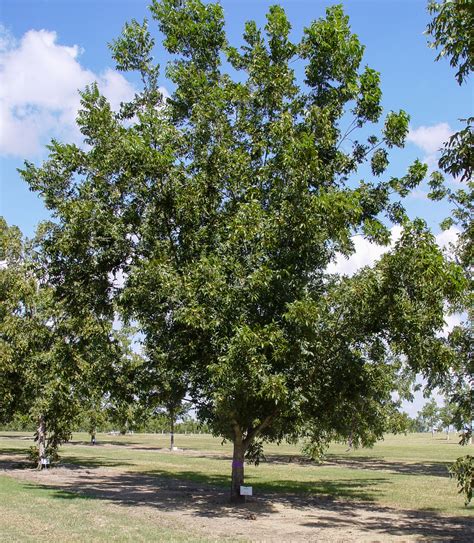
x=20 y=461
x=18 y=437
x=358 y=489
x=206 y=496
x=79 y=462
x=372 y=463
x=102 y=442
x=434 y=468
x=12 y=458
x=4 y=451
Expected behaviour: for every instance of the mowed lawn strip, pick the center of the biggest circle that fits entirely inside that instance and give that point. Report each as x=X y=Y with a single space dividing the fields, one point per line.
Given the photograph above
x=31 y=512
x=407 y=472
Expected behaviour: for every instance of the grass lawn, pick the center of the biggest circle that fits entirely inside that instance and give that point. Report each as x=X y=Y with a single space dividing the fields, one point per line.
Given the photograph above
x=407 y=472
x=34 y=513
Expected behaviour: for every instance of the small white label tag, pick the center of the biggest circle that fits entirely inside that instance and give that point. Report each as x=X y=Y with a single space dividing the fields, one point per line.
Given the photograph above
x=245 y=490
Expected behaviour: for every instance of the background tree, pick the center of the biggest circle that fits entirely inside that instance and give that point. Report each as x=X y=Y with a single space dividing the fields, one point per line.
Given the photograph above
x=430 y=416
x=222 y=208
x=401 y=422
x=172 y=410
x=92 y=418
x=446 y=417
x=46 y=352
x=451 y=31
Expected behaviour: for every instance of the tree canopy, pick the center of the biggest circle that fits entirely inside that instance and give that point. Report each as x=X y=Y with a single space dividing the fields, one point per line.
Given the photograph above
x=451 y=30
x=451 y=33
x=210 y=219
x=53 y=360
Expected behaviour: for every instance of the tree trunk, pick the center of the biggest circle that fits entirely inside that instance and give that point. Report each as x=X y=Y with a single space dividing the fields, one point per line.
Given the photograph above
x=41 y=443
x=171 y=429
x=237 y=470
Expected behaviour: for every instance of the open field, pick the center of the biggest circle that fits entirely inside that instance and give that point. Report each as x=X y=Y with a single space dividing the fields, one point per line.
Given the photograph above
x=132 y=488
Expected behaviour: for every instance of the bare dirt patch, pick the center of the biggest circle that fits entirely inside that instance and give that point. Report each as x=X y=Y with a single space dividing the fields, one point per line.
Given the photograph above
x=204 y=509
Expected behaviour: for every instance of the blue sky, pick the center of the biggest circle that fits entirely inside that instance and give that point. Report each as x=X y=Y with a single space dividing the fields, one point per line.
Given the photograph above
x=51 y=48
x=39 y=94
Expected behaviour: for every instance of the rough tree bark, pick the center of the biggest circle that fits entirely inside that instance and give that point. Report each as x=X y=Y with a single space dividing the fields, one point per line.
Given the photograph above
x=171 y=429
x=237 y=467
x=41 y=442
x=241 y=444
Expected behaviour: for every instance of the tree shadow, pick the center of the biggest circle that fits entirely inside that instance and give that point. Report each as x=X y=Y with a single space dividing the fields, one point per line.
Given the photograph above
x=5 y=451
x=102 y=443
x=76 y=462
x=15 y=458
x=371 y=463
x=19 y=437
x=353 y=488
x=381 y=521
x=434 y=468
x=12 y=458
x=206 y=496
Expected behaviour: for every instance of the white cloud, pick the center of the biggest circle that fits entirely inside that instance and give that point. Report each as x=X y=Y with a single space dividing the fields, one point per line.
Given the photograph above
x=39 y=83
x=366 y=254
x=430 y=138
x=450 y=321
x=448 y=237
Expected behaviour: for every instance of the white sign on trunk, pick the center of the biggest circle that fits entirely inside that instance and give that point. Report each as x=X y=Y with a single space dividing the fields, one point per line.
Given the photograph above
x=245 y=490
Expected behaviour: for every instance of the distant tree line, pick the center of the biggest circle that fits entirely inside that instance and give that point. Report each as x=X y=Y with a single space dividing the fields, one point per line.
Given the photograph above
x=154 y=424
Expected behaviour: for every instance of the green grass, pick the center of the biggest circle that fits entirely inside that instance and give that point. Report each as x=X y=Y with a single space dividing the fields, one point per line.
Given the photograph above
x=34 y=513
x=406 y=472
x=401 y=471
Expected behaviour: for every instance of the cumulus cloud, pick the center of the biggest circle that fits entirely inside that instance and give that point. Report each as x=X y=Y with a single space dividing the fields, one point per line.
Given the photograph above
x=450 y=321
x=39 y=83
x=447 y=239
x=367 y=253
x=430 y=138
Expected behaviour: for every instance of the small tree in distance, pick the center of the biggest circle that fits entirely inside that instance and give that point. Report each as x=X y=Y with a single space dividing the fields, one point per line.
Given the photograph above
x=223 y=207
x=430 y=416
x=446 y=417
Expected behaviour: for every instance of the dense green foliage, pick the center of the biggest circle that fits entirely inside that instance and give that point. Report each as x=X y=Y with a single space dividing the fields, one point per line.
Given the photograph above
x=451 y=30
x=429 y=416
x=451 y=33
x=54 y=361
x=210 y=219
x=43 y=348
x=463 y=471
